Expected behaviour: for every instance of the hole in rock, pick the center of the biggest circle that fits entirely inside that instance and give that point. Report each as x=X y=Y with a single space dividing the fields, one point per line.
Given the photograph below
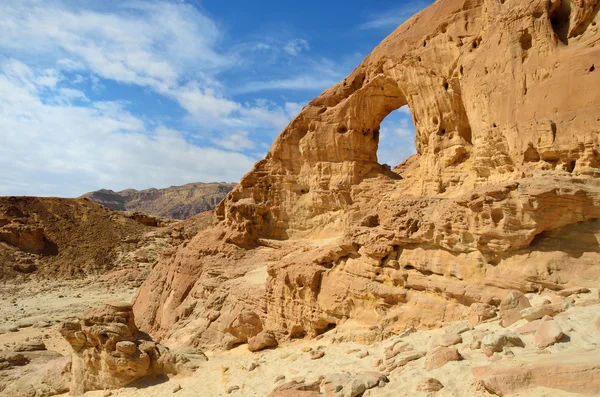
x=560 y=18
x=396 y=137
x=526 y=40
x=342 y=129
x=592 y=68
x=497 y=215
x=531 y=155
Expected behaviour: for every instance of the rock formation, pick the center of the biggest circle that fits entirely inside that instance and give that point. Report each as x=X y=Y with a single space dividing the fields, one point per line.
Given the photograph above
x=109 y=352
x=503 y=194
x=175 y=202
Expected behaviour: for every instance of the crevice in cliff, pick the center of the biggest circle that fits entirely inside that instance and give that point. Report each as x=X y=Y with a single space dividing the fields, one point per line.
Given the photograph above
x=560 y=18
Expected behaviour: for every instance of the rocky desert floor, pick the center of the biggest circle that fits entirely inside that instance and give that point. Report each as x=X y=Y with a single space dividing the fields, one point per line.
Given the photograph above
x=350 y=358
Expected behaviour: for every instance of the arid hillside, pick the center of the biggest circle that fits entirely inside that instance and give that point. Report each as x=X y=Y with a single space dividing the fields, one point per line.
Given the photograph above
x=63 y=238
x=175 y=202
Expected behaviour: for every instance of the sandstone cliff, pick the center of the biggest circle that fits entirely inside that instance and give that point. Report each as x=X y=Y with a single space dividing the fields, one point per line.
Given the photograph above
x=502 y=195
x=175 y=202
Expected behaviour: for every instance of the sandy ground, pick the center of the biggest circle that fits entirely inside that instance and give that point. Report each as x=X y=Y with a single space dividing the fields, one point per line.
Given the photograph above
x=37 y=308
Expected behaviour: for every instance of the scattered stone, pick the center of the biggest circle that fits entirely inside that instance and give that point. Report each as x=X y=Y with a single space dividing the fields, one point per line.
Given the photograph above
x=176 y=388
x=30 y=346
x=25 y=268
x=252 y=366
x=459 y=328
x=573 y=291
x=233 y=388
x=429 y=385
x=497 y=341
x=354 y=388
x=548 y=333
x=372 y=378
x=362 y=354
x=316 y=355
x=296 y=389
x=265 y=339
x=441 y=356
x=402 y=359
x=446 y=340
x=306 y=349
x=529 y=328
x=279 y=378
x=538 y=312
x=511 y=306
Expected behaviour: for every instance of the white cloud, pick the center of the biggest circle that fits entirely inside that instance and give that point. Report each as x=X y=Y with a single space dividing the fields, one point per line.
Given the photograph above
x=60 y=139
x=237 y=141
x=61 y=149
x=304 y=82
x=146 y=43
x=204 y=103
x=296 y=46
x=396 y=137
x=391 y=19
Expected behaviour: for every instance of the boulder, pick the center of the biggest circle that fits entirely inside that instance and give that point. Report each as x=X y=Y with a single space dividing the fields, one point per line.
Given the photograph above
x=446 y=339
x=429 y=385
x=479 y=312
x=572 y=291
x=265 y=339
x=442 y=355
x=496 y=342
x=511 y=306
x=538 y=312
x=296 y=389
x=547 y=334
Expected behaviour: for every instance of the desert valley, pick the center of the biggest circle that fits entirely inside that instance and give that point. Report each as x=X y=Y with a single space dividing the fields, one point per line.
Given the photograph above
x=472 y=268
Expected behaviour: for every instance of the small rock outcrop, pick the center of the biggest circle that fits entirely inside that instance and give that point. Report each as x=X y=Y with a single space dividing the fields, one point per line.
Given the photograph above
x=109 y=352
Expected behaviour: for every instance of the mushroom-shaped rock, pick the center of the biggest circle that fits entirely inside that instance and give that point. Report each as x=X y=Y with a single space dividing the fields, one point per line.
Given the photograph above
x=109 y=352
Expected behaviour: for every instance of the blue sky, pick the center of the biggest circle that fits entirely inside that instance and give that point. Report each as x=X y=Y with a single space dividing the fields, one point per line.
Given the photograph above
x=138 y=94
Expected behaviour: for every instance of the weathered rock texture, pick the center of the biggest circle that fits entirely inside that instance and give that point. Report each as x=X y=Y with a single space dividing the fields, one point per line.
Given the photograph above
x=109 y=352
x=175 y=202
x=503 y=194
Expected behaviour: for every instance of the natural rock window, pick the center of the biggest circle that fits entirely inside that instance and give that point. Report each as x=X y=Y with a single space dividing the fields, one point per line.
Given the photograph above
x=396 y=137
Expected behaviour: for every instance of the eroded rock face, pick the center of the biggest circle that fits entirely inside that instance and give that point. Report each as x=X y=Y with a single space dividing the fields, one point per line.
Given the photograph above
x=109 y=352
x=503 y=194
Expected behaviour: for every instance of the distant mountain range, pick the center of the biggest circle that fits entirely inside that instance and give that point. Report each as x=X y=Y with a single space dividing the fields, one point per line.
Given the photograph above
x=175 y=202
